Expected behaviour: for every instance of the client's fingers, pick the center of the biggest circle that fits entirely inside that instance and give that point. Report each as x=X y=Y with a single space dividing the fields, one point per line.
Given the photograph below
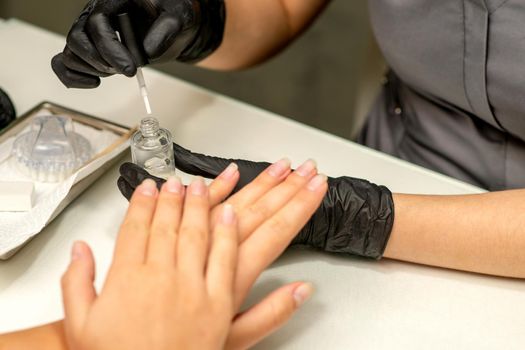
x=268 y=316
x=262 y=209
x=222 y=261
x=192 y=244
x=276 y=233
x=163 y=237
x=134 y=231
x=267 y=180
x=78 y=292
x=131 y=175
x=224 y=184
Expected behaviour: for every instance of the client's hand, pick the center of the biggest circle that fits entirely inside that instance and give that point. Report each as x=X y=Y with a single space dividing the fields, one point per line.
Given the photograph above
x=180 y=273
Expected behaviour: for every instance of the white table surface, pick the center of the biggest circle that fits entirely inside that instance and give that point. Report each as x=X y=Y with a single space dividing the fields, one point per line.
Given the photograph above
x=358 y=304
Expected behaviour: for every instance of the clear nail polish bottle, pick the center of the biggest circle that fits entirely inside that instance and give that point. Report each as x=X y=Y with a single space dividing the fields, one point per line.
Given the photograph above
x=152 y=149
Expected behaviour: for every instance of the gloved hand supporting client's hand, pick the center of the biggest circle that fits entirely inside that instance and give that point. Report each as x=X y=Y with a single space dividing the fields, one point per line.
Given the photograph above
x=355 y=217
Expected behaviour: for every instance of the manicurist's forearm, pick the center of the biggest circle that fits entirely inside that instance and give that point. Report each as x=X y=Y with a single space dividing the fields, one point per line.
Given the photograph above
x=48 y=337
x=257 y=29
x=482 y=233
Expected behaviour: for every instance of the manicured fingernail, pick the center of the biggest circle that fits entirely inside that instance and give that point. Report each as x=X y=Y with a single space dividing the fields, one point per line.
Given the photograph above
x=197 y=187
x=302 y=293
x=173 y=185
x=148 y=188
x=76 y=251
x=306 y=168
x=317 y=182
x=279 y=168
x=228 y=214
x=229 y=172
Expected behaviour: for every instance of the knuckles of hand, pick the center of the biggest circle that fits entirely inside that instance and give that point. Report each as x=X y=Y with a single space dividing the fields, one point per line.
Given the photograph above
x=256 y=212
x=277 y=225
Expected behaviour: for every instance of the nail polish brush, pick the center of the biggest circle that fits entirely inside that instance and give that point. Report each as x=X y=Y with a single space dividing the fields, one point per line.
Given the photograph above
x=129 y=39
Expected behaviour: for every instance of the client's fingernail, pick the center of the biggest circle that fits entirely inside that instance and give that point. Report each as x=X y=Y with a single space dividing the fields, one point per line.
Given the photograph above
x=306 y=168
x=229 y=172
x=317 y=182
x=279 y=168
x=76 y=251
x=228 y=215
x=148 y=188
x=198 y=187
x=173 y=185
x=302 y=293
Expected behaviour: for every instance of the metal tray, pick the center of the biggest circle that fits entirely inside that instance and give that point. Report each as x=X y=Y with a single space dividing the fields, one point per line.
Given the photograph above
x=83 y=182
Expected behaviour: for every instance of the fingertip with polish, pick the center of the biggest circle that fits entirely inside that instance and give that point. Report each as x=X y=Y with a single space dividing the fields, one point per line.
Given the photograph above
x=197 y=187
x=317 y=182
x=230 y=171
x=306 y=168
x=228 y=215
x=148 y=188
x=280 y=167
x=77 y=252
x=173 y=185
x=302 y=293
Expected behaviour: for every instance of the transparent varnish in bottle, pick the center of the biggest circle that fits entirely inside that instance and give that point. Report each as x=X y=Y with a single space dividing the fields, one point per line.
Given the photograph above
x=152 y=149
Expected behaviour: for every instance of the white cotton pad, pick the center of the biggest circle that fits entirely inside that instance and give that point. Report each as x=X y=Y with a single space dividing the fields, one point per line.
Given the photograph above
x=16 y=196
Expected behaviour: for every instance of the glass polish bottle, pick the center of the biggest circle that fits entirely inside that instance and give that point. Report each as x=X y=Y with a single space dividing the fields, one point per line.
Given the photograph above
x=152 y=149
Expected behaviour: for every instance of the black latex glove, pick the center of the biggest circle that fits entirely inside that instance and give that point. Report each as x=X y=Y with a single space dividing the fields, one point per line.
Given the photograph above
x=355 y=217
x=183 y=30
x=7 y=110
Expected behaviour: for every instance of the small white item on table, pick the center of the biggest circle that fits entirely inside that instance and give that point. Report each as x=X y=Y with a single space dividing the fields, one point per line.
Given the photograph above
x=16 y=196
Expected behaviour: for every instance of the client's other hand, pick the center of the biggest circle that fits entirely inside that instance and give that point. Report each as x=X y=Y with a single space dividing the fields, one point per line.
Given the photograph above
x=183 y=265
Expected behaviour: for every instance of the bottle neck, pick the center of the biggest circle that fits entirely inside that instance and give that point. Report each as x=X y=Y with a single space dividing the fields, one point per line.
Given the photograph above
x=149 y=127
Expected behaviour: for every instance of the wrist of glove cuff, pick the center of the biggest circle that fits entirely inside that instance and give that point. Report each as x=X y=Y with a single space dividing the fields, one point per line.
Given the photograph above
x=356 y=217
x=210 y=34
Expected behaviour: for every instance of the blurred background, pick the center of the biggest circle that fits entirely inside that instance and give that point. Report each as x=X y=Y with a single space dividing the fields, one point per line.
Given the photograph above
x=327 y=78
